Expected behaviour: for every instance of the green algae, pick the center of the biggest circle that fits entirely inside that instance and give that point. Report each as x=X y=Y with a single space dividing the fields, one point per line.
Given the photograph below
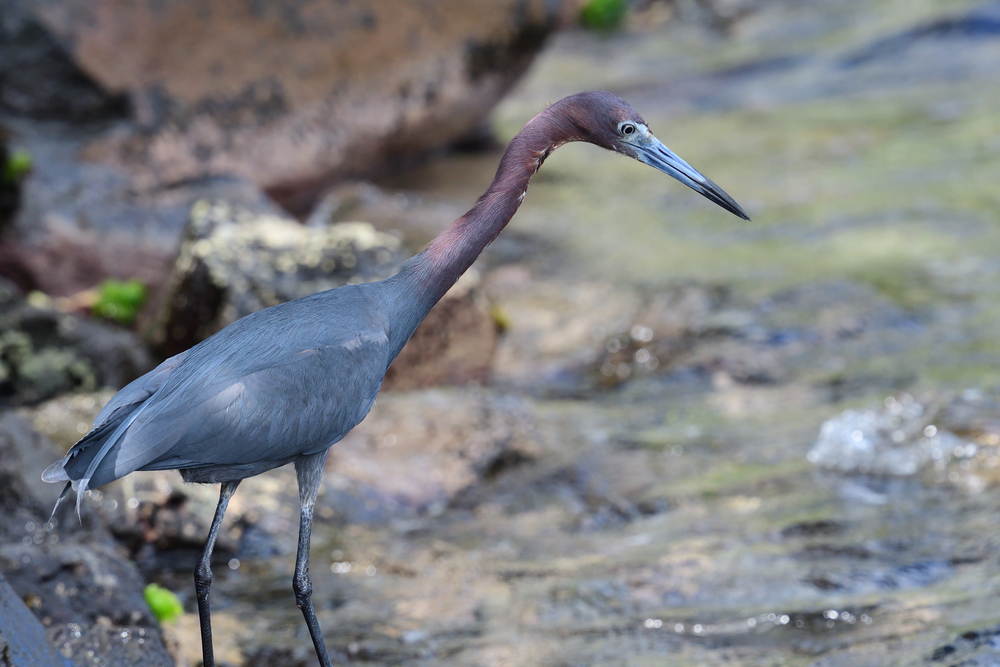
x=17 y=167
x=120 y=300
x=164 y=604
x=603 y=15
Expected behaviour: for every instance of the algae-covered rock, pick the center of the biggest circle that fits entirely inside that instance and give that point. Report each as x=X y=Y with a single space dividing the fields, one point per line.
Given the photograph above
x=44 y=352
x=234 y=262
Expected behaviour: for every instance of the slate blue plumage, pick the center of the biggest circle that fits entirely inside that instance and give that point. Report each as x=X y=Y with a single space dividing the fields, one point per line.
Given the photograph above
x=255 y=396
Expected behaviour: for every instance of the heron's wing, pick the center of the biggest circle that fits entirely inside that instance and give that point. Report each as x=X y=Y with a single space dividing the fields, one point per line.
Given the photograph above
x=140 y=389
x=111 y=416
x=298 y=402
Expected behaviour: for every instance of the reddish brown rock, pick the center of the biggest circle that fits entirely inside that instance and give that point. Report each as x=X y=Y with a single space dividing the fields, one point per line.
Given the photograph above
x=291 y=95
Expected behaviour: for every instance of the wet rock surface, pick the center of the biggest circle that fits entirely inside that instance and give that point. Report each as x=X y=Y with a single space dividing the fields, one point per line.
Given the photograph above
x=22 y=637
x=87 y=595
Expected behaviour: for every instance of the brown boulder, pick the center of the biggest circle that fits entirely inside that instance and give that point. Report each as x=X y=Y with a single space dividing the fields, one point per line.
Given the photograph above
x=291 y=95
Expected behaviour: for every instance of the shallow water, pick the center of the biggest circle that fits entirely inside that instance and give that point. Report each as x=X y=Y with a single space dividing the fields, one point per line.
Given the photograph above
x=672 y=515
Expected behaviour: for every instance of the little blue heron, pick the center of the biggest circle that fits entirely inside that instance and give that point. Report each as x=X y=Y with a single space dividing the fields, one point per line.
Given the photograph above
x=284 y=384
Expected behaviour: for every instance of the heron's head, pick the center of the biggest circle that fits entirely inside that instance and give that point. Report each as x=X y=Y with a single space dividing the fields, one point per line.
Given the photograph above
x=608 y=121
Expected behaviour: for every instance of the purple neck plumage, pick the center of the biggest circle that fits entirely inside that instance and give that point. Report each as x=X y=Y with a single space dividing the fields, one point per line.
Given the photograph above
x=427 y=276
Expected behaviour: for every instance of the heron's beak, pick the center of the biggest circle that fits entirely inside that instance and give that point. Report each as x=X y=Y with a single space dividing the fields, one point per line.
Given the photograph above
x=655 y=154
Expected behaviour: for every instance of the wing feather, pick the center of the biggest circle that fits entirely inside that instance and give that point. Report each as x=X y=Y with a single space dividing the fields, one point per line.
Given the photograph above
x=287 y=380
x=300 y=405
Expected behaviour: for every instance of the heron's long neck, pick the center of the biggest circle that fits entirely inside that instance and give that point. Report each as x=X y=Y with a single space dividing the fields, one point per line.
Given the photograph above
x=424 y=278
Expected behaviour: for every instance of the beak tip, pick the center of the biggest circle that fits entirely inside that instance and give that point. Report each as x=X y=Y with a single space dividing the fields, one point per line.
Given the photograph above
x=736 y=210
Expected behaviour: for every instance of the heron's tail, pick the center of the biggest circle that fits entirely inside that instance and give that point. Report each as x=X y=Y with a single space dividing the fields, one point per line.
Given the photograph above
x=61 y=497
x=77 y=468
x=56 y=473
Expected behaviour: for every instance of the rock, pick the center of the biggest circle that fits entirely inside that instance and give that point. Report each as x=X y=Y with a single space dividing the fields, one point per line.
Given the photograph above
x=406 y=214
x=73 y=576
x=575 y=338
x=9 y=190
x=898 y=440
x=63 y=420
x=44 y=352
x=667 y=326
x=292 y=94
x=91 y=599
x=940 y=438
x=38 y=76
x=417 y=451
x=250 y=99
x=980 y=646
x=454 y=345
x=22 y=637
x=24 y=497
x=554 y=329
x=81 y=222
x=12 y=267
x=234 y=262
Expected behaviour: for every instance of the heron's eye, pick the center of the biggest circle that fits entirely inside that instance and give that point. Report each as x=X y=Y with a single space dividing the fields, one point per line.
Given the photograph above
x=627 y=129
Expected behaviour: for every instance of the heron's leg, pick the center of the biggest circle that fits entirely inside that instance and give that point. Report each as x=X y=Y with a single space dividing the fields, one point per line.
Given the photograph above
x=310 y=472
x=203 y=574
